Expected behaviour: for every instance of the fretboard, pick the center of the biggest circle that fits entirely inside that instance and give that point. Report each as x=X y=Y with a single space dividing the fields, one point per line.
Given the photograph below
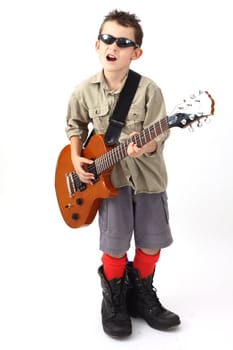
x=119 y=152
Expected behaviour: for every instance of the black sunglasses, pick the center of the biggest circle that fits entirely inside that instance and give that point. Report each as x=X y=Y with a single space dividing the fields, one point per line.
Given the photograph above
x=121 y=42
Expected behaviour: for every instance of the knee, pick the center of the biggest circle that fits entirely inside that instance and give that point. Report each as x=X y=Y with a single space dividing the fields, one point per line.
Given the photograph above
x=150 y=251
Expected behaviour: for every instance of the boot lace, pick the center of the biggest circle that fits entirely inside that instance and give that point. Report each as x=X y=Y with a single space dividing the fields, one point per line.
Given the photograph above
x=149 y=294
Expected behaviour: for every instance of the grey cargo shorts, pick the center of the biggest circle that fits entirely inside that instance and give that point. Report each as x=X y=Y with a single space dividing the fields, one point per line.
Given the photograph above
x=143 y=214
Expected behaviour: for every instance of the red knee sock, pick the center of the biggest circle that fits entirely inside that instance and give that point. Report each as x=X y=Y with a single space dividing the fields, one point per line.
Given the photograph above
x=145 y=264
x=113 y=267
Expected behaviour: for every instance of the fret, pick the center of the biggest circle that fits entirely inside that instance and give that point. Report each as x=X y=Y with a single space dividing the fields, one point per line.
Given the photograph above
x=165 y=124
x=121 y=153
x=153 y=131
x=104 y=162
x=160 y=125
x=158 y=129
x=143 y=137
x=139 y=140
x=122 y=148
x=114 y=156
x=149 y=129
x=98 y=166
x=118 y=153
x=147 y=135
x=109 y=160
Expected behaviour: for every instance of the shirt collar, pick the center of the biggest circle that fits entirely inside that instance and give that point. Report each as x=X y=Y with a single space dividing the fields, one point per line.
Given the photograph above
x=99 y=79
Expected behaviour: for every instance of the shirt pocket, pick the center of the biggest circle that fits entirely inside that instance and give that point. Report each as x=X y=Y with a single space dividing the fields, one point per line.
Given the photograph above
x=135 y=120
x=100 y=118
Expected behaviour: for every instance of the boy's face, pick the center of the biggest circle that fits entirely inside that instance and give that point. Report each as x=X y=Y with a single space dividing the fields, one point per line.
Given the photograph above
x=113 y=57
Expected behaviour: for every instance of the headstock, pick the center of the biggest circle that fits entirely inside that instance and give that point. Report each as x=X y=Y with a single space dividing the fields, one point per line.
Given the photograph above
x=193 y=109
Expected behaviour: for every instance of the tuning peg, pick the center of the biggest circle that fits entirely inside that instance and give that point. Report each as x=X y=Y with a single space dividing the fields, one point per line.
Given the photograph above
x=199 y=92
x=207 y=120
x=190 y=128
x=191 y=117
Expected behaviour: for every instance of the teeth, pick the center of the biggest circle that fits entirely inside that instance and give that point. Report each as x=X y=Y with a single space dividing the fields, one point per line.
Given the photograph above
x=111 y=57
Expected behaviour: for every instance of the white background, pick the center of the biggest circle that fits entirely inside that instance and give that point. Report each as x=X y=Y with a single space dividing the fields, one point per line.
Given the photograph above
x=49 y=288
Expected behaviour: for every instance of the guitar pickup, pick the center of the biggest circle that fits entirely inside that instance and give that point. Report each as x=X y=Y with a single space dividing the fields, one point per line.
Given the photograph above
x=81 y=186
x=92 y=169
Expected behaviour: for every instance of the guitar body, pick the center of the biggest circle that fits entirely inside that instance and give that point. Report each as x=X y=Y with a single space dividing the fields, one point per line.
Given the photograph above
x=81 y=207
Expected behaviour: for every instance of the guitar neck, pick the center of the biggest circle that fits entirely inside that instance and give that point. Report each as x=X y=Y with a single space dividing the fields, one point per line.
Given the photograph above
x=119 y=152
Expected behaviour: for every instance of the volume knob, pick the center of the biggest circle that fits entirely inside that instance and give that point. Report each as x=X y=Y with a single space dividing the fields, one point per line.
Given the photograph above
x=79 y=201
x=74 y=216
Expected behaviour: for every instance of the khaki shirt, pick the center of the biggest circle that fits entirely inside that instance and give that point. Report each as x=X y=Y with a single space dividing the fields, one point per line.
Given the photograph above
x=93 y=102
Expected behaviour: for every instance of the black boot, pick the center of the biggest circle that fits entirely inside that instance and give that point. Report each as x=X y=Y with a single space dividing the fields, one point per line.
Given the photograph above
x=115 y=317
x=142 y=301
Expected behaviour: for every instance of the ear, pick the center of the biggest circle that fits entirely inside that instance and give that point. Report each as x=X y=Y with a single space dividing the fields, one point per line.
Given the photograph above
x=136 y=53
x=97 y=45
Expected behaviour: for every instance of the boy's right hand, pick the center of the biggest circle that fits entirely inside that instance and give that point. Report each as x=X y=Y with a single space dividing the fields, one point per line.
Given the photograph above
x=81 y=166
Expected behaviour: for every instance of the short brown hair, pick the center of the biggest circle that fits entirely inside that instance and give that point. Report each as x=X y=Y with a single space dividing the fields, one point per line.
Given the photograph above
x=125 y=19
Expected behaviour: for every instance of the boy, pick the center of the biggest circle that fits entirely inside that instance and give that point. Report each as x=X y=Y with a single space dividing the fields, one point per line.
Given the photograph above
x=140 y=208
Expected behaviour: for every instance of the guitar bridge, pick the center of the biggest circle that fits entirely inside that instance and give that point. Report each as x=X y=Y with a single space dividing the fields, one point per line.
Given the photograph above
x=74 y=184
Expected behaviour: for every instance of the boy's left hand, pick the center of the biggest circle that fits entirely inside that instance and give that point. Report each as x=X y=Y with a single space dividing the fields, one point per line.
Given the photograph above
x=134 y=151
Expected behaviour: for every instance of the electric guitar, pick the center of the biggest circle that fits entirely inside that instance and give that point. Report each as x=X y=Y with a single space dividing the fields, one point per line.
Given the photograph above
x=78 y=201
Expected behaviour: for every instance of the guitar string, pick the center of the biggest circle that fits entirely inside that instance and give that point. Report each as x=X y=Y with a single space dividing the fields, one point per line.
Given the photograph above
x=119 y=152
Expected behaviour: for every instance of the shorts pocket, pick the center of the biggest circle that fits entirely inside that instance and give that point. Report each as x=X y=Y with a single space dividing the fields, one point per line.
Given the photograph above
x=165 y=206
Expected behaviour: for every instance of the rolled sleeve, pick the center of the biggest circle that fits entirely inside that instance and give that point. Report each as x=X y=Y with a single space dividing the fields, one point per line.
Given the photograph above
x=77 y=118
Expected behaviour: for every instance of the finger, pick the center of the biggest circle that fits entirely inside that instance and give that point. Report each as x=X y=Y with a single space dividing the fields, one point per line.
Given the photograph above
x=86 y=161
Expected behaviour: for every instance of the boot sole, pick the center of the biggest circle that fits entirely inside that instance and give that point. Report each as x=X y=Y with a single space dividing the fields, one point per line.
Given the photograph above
x=117 y=335
x=158 y=327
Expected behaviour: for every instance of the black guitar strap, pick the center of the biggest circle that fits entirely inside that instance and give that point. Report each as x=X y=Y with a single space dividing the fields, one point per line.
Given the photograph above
x=117 y=119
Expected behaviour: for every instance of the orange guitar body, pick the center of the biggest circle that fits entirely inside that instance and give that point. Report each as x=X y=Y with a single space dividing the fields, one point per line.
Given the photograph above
x=80 y=208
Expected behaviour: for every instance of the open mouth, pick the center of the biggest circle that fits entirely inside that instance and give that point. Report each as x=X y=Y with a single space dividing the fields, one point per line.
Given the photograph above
x=110 y=58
